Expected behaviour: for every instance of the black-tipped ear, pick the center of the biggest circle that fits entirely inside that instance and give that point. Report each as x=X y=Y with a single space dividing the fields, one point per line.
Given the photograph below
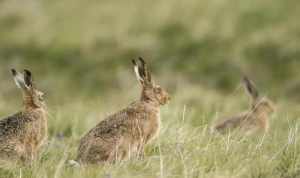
x=19 y=79
x=142 y=61
x=138 y=72
x=143 y=68
x=14 y=72
x=27 y=77
x=146 y=72
x=251 y=87
x=140 y=69
x=134 y=62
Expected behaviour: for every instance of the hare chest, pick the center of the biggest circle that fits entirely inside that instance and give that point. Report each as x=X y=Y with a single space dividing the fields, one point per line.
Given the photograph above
x=256 y=123
x=152 y=126
x=37 y=129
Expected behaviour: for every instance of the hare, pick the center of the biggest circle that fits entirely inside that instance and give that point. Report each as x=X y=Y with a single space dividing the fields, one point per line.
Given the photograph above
x=124 y=134
x=253 y=120
x=23 y=134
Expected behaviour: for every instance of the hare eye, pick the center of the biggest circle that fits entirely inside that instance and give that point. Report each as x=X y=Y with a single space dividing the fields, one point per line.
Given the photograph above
x=157 y=90
x=41 y=96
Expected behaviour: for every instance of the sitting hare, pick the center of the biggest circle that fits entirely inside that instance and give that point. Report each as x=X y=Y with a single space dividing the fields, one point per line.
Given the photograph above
x=23 y=134
x=255 y=119
x=125 y=133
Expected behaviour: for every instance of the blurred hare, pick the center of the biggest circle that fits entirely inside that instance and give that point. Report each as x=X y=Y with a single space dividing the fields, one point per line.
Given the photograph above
x=255 y=119
x=23 y=134
x=125 y=133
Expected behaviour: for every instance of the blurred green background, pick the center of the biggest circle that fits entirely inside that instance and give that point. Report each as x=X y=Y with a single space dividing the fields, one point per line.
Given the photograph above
x=80 y=54
x=88 y=45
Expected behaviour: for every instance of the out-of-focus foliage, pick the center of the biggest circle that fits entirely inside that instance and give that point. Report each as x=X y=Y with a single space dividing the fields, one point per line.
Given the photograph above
x=207 y=42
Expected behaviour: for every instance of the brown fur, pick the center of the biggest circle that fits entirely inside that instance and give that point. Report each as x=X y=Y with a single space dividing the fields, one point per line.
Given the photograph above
x=125 y=133
x=255 y=119
x=22 y=134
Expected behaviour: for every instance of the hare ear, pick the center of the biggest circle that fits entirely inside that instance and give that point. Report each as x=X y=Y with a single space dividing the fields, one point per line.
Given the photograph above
x=28 y=78
x=138 y=72
x=19 y=79
x=250 y=87
x=145 y=70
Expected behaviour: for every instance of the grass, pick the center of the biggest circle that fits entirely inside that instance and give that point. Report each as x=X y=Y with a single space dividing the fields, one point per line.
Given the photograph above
x=185 y=147
x=79 y=53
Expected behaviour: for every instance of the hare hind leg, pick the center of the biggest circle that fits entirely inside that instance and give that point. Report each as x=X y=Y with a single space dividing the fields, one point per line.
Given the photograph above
x=12 y=153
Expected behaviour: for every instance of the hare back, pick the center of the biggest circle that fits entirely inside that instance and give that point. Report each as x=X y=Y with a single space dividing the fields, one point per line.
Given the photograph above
x=13 y=126
x=22 y=131
x=245 y=121
x=232 y=123
x=20 y=123
x=121 y=134
x=100 y=150
x=135 y=121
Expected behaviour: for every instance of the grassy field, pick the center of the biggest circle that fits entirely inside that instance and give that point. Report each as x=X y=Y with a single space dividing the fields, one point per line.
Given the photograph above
x=80 y=52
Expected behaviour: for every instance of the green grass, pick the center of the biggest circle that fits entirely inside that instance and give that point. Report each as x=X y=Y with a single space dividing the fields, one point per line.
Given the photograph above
x=185 y=147
x=80 y=51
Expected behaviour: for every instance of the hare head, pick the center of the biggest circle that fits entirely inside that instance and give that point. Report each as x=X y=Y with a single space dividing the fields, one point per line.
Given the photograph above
x=150 y=92
x=259 y=103
x=32 y=97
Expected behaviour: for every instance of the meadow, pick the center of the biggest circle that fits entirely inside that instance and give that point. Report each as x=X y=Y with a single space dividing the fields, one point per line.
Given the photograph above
x=80 y=54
